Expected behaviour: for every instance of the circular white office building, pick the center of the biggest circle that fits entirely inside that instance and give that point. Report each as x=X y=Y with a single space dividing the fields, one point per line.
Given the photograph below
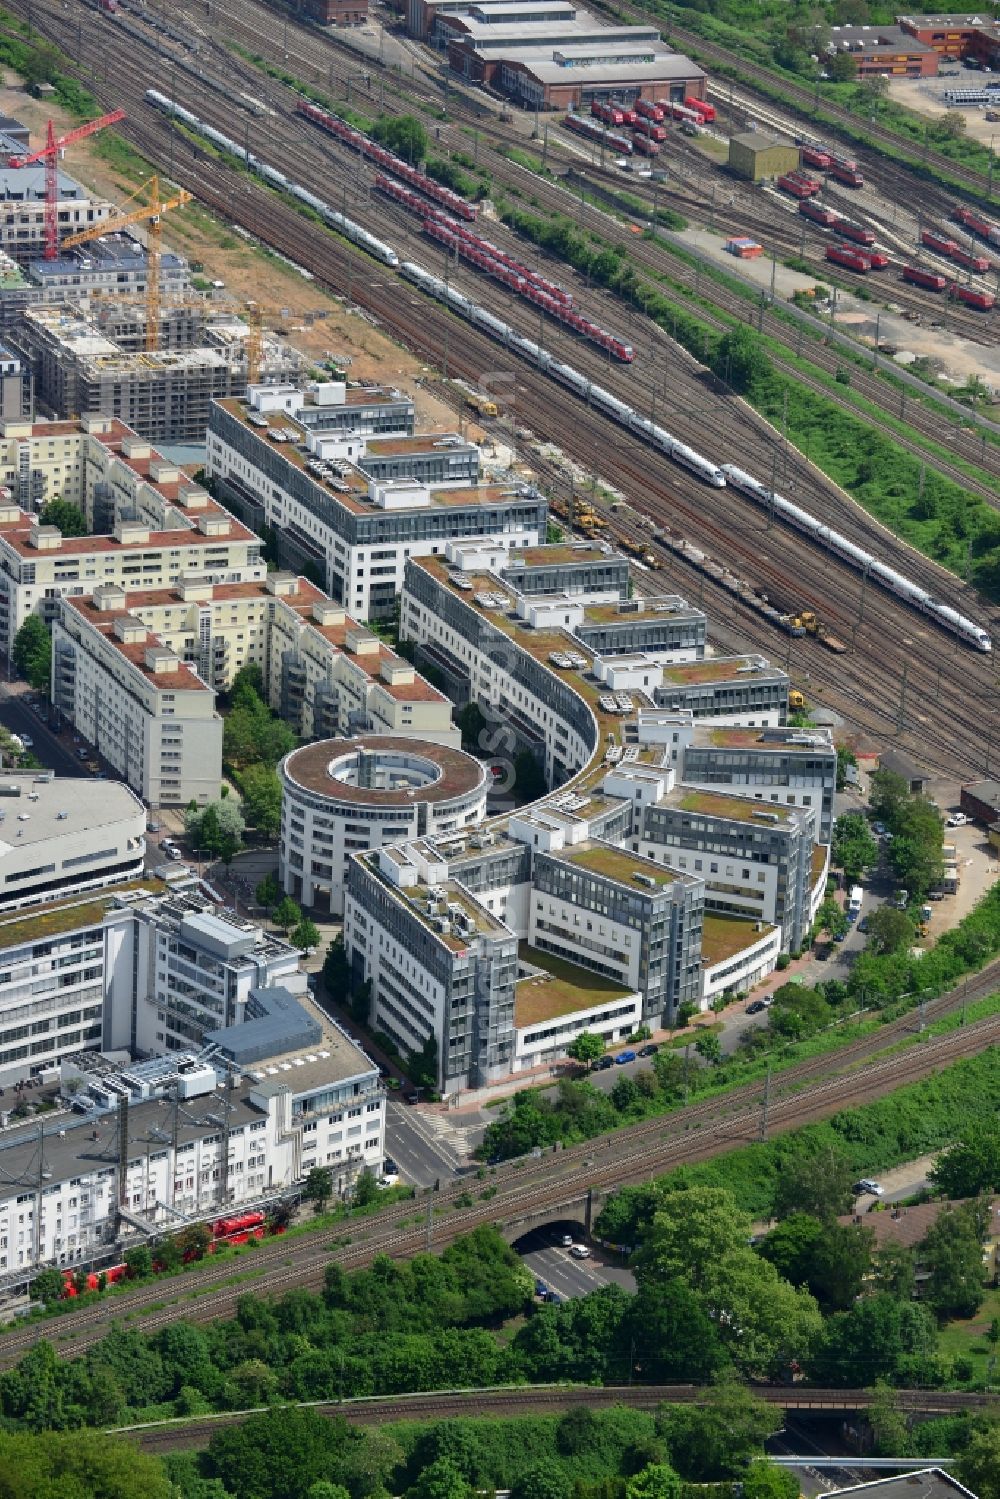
x=343 y=796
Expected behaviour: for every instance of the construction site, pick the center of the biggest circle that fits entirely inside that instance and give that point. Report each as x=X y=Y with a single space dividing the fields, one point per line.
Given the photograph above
x=102 y=323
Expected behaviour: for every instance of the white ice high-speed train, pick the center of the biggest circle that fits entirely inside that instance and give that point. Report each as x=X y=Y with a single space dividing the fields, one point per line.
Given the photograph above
x=895 y=582
x=339 y=221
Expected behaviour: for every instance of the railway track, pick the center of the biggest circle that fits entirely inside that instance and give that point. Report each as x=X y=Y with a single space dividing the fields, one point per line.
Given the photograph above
x=186 y=1432
x=528 y=1190
x=951 y=714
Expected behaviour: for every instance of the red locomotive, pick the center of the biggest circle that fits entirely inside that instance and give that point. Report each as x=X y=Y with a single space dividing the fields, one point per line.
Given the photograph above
x=930 y=280
x=851 y=260
x=819 y=214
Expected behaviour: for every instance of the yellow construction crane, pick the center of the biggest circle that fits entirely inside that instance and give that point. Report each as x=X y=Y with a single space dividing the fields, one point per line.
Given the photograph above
x=149 y=213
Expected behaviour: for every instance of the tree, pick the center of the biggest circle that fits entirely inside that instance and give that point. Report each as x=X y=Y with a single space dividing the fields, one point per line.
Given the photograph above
x=817 y=1181
x=971 y=1165
x=261 y=791
x=842 y=67
x=69 y=518
x=846 y=759
x=709 y=1047
x=667 y=1336
x=336 y=970
x=403 y=134
x=78 y=1465
x=586 y=1048
x=889 y=930
x=318 y=1187
x=721 y=1437
x=840 y=1262
x=48 y=1286
x=692 y=1229
x=278 y=1455
x=624 y=1095
x=440 y=1480
x=305 y=935
x=765 y=1323
x=763 y=1480
x=951 y=124
x=248 y=688
x=894 y=1270
x=365 y=1190
x=471 y=722
x=216 y=828
x=854 y=848
x=139 y=1262
x=268 y=892
x=887 y=1423
x=740 y=359
x=41 y=65
x=32 y=653
x=286 y=914
x=979 y=1460
x=324 y=1489
x=546 y=1479
x=952 y=1251
x=879 y=1338
x=831 y=918
x=887 y=794
x=654 y=1481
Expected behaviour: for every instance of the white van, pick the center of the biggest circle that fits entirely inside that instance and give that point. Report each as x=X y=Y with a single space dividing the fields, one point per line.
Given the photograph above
x=854 y=901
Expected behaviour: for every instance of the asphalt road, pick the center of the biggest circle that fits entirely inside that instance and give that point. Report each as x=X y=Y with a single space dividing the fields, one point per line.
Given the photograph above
x=548 y=1261
x=422 y=1154
x=53 y=752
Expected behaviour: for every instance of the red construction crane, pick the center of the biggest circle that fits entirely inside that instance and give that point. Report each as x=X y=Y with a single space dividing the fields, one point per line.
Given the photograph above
x=50 y=155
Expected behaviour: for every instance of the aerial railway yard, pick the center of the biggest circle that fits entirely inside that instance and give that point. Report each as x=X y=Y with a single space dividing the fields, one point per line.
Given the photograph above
x=531 y=1190
x=893 y=645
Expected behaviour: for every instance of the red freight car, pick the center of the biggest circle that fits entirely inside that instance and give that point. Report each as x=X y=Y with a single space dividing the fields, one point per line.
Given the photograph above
x=856 y=232
x=973 y=296
x=828 y=217
x=917 y=276
x=646 y=109
x=645 y=146
x=876 y=260
x=851 y=260
x=651 y=129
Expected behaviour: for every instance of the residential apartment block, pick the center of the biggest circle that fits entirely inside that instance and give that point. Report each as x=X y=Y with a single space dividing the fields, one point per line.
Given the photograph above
x=22 y=210
x=59 y=837
x=240 y=1084
x=625 y=893
x=359 y=530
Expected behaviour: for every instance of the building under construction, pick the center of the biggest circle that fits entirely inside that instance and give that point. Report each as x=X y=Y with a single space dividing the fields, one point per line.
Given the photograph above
x=165 y=396
x=22 y=210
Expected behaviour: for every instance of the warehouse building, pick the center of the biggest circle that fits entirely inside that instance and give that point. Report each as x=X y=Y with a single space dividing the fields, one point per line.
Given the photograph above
x=884 y=50
x=980 y=800
x=344 y=795
x=974 y=35
x=757 y=156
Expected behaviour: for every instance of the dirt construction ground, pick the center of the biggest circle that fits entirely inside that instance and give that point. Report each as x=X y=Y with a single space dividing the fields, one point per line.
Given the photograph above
x=316 y=321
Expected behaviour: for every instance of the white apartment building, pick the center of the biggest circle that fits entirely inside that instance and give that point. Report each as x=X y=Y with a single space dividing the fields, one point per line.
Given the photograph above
x=242 y=1086
x=144 y=709
x=340 y=796
x=22 y=210
x=361 y=530
x=136 y=673
x=59 y=837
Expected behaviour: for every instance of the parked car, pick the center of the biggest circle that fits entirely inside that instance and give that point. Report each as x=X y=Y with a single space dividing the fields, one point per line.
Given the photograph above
x=83 y=754
x=580 y=1252
x=867 y=1185
x=756 y=1007
x=649 y=1050
x=541 y=1289
x=26 y=740
x=603 y=1063
x=566 y=1241
x=956 y=820
x=153 y=827
x=628 y=1055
